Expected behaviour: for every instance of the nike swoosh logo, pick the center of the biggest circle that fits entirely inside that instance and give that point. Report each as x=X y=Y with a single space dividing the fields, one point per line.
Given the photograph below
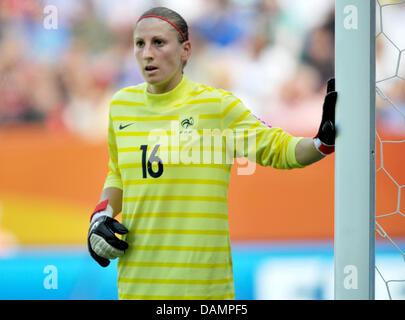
x=123 y=127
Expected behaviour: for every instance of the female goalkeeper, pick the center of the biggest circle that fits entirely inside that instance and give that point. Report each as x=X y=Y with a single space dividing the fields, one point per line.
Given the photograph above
x=175 y=239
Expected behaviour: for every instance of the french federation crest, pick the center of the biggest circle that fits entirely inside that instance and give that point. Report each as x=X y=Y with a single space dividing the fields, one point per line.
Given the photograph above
x=188 y=123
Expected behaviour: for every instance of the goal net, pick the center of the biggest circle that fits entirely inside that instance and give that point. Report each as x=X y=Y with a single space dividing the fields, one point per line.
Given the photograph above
x=390 y=148
x=370 y=149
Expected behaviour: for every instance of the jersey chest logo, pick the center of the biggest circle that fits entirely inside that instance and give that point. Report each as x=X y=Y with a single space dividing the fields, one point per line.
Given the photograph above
x=188 y=123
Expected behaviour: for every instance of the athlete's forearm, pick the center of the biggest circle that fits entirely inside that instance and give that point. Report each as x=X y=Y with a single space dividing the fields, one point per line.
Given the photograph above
x=114 y=197
x=306 y=152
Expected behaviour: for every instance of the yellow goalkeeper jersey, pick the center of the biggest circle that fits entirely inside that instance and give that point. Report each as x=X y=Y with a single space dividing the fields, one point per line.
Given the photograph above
x=174 y=172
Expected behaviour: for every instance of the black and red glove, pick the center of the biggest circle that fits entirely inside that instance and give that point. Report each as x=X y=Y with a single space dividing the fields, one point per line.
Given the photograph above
x=325 y=139
x=102 y=242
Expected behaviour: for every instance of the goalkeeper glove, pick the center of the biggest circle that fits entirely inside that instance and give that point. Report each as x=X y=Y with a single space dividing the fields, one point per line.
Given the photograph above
x=102 y=242
x=325 y=139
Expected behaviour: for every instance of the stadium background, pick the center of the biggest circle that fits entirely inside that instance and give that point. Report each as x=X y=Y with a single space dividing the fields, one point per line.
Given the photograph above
x=275 y=55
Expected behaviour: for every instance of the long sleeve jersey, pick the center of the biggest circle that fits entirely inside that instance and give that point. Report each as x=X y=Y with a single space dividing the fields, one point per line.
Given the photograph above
x=171 y=154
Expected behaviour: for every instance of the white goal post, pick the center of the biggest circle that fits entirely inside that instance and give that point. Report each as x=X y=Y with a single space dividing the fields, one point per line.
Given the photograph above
x=354 y=238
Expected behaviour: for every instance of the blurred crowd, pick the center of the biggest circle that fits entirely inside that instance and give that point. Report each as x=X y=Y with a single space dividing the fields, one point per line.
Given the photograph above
x=61 y=61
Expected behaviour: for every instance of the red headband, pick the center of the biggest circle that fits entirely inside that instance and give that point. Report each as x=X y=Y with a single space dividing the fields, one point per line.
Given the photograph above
x=164 y=19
